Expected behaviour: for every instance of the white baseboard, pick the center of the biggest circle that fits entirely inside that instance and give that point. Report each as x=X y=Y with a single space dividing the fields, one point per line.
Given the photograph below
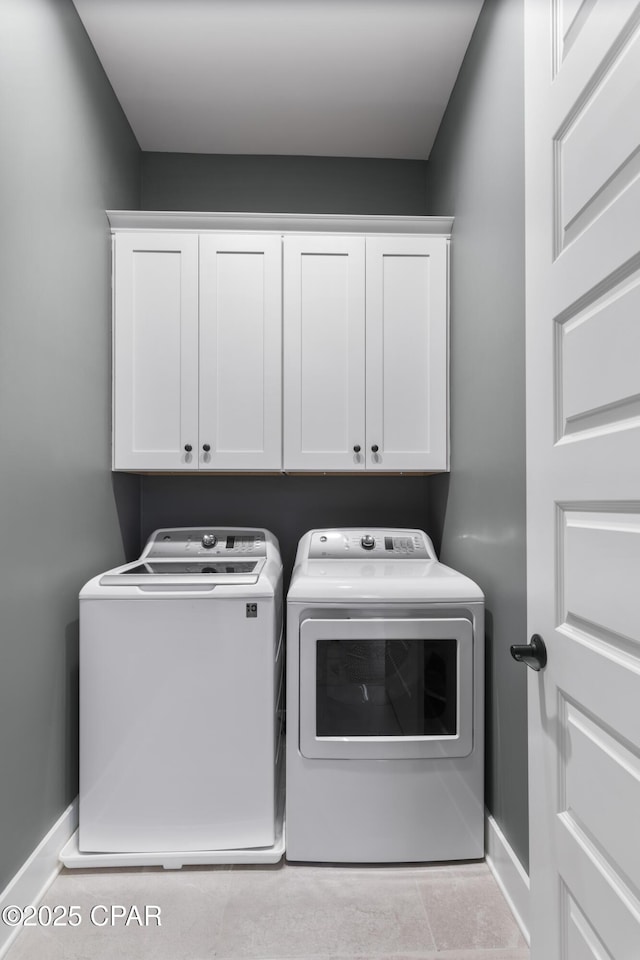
x=509 y=873
x=38 y=873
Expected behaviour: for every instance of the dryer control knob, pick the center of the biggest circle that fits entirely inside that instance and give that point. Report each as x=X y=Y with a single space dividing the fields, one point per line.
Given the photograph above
x=209 y=540
x=367 y=542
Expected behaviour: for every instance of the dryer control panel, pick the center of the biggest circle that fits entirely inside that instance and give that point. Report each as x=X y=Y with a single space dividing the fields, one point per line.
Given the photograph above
x=184 y=542
x=376 y=544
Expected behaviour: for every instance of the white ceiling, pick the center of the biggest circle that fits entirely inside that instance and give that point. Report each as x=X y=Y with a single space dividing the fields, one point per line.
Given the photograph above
x=356 y=78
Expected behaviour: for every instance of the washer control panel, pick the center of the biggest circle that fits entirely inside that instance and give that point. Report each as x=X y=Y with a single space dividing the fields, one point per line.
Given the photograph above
x=376 y=544
x=184 y=542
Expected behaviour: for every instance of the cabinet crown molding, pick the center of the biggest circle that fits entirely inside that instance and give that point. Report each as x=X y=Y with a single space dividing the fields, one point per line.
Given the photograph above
x=278 y=222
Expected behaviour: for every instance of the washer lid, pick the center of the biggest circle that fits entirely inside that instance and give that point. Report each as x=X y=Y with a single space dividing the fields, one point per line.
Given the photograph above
x=167 y=573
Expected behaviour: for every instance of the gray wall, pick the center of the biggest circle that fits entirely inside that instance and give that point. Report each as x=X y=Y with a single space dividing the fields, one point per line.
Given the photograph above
x=476 y=173
x=67 y=153
x=188 y=181
x=286 y=505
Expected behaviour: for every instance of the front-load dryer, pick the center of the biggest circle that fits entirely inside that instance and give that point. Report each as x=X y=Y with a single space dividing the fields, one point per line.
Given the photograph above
x=385 y=681
x=180 y=674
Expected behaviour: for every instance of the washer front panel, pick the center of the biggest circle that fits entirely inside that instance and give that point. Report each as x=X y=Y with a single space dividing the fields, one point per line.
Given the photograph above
x=364 y=681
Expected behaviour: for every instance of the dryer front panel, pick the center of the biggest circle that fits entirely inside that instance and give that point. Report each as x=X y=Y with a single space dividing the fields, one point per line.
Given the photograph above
x=386 y=688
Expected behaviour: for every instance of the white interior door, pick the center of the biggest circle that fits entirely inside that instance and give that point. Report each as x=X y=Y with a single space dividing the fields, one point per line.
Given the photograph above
x=240 y=352
x=324 y=343
x=407 y=353
x=155 y=351
x=582 y=107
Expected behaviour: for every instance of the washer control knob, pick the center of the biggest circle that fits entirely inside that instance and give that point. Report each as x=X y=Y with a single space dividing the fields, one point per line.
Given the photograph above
x=367 y=542
x=209 y=540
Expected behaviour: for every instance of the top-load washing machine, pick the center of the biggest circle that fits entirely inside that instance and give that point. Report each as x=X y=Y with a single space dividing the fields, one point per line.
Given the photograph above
x=181 y=667
x=385 y=680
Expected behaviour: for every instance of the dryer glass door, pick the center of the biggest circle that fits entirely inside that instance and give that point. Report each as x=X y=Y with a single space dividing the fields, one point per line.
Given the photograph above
x=386 y=689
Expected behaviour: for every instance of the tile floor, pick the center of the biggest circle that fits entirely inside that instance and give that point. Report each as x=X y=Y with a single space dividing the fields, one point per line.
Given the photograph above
x=448 y=912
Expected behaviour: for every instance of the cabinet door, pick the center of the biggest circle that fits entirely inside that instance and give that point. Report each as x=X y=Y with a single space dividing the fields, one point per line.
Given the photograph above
x=407 y=353
x=324 y=353
x=240 y=352
x=155 y=351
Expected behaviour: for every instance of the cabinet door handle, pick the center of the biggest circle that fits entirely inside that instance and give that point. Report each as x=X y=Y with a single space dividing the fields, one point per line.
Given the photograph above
x=375 y=448
x=357 y=448
x=206 y=447
x=188 y=447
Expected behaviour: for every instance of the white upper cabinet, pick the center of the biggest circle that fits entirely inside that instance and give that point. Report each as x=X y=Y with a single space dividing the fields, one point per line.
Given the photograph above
x=240 y=352
x=324 y=339
x=407 y=354
x=155 y=351
x=365 y=360
x=303 y=344
x=197 y=352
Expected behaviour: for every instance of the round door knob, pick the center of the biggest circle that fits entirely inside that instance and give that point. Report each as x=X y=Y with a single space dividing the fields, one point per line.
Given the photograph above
x=188 y=447
x=375 y=448
x=209 y=540
x=206 y=447
x=367 y=542
x=357 y=448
